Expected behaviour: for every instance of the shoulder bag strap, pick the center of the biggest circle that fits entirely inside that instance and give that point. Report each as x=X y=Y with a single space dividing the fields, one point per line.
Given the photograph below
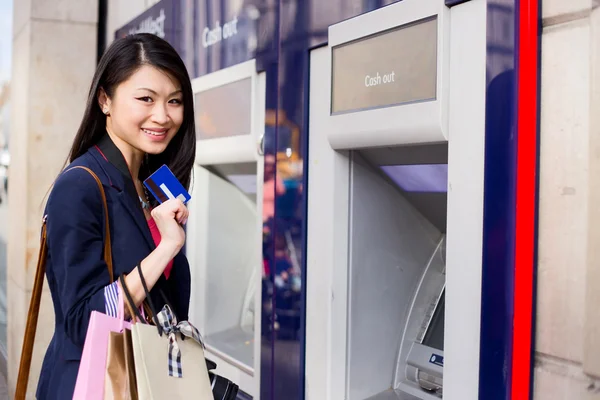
x=36 y=295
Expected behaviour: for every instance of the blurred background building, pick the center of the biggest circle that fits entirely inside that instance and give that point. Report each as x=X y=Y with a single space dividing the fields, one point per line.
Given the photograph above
x=6 y=12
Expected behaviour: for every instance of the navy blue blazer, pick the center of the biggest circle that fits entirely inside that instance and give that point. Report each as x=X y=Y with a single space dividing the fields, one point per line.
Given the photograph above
x=75 y=269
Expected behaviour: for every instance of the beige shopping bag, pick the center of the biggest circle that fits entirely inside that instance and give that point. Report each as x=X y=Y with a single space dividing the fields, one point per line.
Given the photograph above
x=169 y=358
x=152 y=367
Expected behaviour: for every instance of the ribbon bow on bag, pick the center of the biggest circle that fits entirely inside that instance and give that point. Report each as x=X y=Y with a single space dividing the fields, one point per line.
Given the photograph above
x=171 y=327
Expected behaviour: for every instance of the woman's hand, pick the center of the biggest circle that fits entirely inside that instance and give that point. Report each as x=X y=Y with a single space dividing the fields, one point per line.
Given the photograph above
x=169 y=218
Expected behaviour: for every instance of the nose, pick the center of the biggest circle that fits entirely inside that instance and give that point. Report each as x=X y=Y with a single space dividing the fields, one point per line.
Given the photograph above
x=160 y=114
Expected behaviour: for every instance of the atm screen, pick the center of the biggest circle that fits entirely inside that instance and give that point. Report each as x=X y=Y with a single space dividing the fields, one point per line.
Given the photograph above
x=434 y=337
x=224 y=111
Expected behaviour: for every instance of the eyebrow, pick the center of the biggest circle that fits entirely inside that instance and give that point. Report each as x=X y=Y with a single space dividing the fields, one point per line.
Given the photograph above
x=154 y=92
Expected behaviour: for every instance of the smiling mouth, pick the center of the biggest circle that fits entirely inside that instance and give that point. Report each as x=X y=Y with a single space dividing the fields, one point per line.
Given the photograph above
x=160 y=132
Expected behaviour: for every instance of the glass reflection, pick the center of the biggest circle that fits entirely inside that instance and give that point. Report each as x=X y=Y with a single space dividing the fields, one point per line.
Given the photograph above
x=282 y=275
x=282 y=257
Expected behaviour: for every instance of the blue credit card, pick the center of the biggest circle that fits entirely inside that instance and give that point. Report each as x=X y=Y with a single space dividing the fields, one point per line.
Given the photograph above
x=164 y=186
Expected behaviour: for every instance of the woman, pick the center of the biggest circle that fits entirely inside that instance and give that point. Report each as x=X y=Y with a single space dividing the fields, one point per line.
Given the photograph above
x=139 y=116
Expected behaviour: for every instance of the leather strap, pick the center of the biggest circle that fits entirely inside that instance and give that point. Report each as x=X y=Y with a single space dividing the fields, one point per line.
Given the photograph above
x=107 y=246
x=36 y=295
x=136 y=316
x=149 y=299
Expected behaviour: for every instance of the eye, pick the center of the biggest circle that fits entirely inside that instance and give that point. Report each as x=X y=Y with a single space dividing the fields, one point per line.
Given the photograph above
x=176 y=101
x=145 y=99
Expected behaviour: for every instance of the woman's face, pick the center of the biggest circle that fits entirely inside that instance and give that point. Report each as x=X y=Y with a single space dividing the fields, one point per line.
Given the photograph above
x=145 y=111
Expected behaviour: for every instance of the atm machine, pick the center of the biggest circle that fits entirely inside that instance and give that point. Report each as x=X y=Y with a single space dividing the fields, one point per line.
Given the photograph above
x=224 y=231
x=395 y=204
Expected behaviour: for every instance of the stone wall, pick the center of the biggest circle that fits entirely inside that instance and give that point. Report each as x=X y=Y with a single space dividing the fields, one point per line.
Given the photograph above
x=54 y=56
x=568 y=204
x=120 y=12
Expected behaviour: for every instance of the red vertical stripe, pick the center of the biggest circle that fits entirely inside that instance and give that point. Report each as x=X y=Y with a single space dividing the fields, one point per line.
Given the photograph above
x=526 y=198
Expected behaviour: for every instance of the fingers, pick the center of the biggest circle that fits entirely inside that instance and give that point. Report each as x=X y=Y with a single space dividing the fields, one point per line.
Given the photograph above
x=173 y=208
x=181 y=211
x=154 y=213
x=181 y=215
x=186 y=214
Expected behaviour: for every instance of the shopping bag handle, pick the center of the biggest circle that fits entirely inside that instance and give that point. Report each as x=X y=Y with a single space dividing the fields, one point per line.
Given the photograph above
x=133 y=310
x=151 y=305
x=148 y=298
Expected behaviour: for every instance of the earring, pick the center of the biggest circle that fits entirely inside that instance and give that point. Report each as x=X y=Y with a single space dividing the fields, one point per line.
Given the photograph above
x=105 y=111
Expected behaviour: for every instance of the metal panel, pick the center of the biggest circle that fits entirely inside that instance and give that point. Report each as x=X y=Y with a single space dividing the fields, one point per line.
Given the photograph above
x=237 y=146
x=390 y=246
x=466 y=180
x=411 y=123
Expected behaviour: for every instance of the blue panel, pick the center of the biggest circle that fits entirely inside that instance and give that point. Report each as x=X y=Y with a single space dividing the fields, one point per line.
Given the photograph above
x=225 y=34
x=162 y=19
x=270 y=62
x=499 y=204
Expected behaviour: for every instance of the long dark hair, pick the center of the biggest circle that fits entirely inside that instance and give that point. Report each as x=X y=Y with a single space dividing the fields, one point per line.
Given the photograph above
x=121 y=60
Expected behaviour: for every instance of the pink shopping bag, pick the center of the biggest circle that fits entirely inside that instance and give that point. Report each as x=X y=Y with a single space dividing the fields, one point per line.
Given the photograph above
x=90 y=378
